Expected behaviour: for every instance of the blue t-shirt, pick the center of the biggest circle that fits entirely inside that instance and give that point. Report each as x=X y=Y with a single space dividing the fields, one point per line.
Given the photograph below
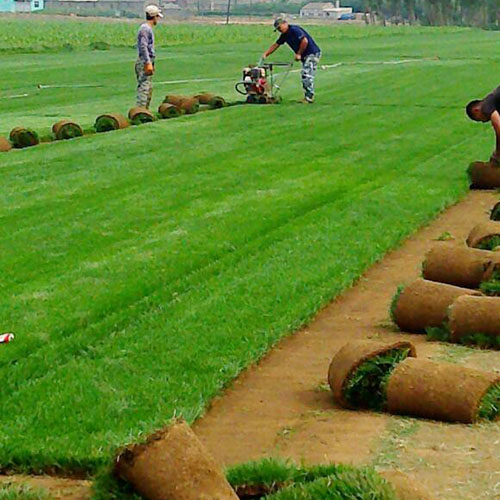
x=294 y=36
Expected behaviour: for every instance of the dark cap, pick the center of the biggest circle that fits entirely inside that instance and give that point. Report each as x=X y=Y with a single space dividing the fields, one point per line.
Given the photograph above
x=278 y=21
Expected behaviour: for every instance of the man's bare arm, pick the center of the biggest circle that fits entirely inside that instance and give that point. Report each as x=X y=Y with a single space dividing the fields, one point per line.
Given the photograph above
x=495 y=123
x=302 y=47
x=270 y=50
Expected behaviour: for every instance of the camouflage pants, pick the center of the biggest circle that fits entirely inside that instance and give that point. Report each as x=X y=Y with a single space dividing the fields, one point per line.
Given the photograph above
x=144 y=85
x=309 y=67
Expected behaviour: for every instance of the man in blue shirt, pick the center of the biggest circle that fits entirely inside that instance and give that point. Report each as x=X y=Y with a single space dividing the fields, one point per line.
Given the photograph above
x=144 y=67
x=306 y=50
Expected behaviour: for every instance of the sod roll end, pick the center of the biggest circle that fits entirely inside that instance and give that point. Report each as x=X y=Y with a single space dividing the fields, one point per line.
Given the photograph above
x=173 y=465
x=439 y=391
x=350 y=357
x=167 y=110
x=424 y=304
x=23 y=137
x=5 y=145
x=66 y=129
x=190 y=106
x=484 y=175
x=113 y=121
x=139 y=115
x=211 y=100
x=176 y=100
x=485 y=235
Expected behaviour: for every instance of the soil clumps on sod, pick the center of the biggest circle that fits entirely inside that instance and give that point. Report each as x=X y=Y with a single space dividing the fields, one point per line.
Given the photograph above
x=21 y=137
x=167 y=110
x=424 y=304
x=173 y=465
x=66 y=129
x=475 y=320
x=439 y=391
x=139 y=115
x=485 y=235
x=358 y=372
x=113 y=121
x=5 y=145
x=458 y=265
x=484 y=175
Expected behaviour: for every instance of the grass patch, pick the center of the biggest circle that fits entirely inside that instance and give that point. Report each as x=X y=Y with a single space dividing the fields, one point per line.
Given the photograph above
x=438 y=333
x=366 y=387
x=394 y=302
x=490 y=404
x=490 y=243
x=481 y=340
x=10 y=491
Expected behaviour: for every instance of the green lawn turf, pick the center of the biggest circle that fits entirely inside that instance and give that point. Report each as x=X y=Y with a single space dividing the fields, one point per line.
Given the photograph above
x=143 y=269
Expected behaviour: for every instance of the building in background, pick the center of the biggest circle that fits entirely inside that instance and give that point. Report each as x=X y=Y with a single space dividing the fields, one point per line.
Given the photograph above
x=21 y=5
x=325 y=10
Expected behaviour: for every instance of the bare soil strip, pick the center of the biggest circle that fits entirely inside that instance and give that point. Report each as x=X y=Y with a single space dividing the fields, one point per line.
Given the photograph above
x=283 y=407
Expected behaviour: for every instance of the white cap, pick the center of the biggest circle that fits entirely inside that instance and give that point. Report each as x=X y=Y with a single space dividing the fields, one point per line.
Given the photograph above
x=153 y=11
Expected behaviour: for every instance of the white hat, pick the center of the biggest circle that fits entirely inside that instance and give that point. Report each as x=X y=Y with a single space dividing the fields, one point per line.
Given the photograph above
x=153 y=11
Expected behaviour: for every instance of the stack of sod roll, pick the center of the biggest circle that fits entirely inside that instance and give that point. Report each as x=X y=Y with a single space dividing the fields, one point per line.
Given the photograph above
x=390 y=377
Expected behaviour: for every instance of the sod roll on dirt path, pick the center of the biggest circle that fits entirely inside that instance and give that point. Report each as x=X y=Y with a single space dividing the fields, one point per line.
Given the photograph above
x=423 y=304
x=66 y=129
x=113 y=121
x=190 y=106
x=167 y=110
x=174 y=99
x=5 y=145
x=139 y=115
x=358 y=371
x=485 y=235
x=473 y=317
x=484 y=175
x=23 y=137
x=440 y=391
x=173 y=465
x=495 y=212
x=458 y=265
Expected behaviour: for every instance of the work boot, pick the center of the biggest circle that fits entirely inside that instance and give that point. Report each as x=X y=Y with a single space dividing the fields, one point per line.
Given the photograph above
x=307 y=100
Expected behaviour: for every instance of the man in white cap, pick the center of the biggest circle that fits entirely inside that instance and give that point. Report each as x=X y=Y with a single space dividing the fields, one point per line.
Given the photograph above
x=144 y=67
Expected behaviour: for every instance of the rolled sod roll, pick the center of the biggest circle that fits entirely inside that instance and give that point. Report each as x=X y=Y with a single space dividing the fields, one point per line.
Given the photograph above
x=423 y=304
x=66 y=129
x=350 y=385
x=113 y=121
x=5 y=145
x=212 y=100
x=140 y=115
x=484 y=175
x=190 y=106
x=173 y=465
x=174 y=99
x=495 y=212
x=439 y=391
x=167 y=110
x=457 y=265
x=472 y=316
x=23 y=137
x=485 y=235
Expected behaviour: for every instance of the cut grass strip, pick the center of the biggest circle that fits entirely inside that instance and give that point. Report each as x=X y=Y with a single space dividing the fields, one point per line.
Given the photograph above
x=490 y=404
x=22 y=492
x=366 y=387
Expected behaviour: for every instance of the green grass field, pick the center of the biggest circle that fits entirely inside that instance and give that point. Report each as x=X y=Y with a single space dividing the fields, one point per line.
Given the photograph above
x=143 y=269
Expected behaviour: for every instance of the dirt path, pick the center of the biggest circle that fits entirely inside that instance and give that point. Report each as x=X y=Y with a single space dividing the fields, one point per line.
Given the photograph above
x=283 y=407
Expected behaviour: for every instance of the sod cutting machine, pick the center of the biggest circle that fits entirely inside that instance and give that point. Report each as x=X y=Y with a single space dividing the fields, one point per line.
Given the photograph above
x=260 y=83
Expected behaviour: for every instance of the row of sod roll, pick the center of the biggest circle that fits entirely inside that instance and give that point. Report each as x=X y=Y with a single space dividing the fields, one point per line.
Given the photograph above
x=458 y=297
x=173 y=106
x=390 y=377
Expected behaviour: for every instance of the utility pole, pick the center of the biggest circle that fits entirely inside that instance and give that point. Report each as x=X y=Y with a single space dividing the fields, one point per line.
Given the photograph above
x=228 y=9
